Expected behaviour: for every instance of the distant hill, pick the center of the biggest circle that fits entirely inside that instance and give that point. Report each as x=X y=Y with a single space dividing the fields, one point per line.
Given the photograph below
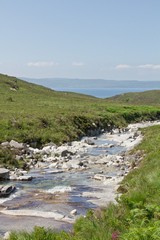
x=92 y=83
x=144 y=98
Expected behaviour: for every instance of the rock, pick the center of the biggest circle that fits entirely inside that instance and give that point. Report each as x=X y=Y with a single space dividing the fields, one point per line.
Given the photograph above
x=7 y=235
x=19 y=157
x=15 y=144
x=55 y=171
x=99 y=177
x=13 y=177
x=4 y=174
x=89 y=141
x=40 y=165
x=66 y=166
x=65 y=153
x=46 y=150
x=33 y=151
x=5 y=144
x=103 y=160
x=73 y=212
x=19 y=175
x=122 y=168
x=53 y=165
x=51 y=159
x=75 y=164
x=25 y=178
x=111 y=145
x=5 y=191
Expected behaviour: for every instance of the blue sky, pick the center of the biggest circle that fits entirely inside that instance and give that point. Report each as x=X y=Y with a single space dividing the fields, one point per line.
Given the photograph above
x=107 y=39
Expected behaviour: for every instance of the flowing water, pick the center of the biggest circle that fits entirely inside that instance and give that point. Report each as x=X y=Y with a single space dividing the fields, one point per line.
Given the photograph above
x=57 y=191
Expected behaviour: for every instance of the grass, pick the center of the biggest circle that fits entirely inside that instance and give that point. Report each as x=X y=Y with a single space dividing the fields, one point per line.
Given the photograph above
x=137 y=214
x=31 y=113
x=150 y=97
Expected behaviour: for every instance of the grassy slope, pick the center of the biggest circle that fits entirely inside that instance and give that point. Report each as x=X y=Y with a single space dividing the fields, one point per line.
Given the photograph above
x=29 y=113
x=151 y=97
x=135 y=217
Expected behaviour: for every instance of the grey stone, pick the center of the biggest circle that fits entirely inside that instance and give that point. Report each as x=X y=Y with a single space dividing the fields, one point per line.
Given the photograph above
x=89 y=141
x=65 y=153
x=4 y=174
x=15 y=144
x=5 y=144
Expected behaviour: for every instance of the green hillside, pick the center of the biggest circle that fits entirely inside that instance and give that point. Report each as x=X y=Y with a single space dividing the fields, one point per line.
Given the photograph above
x=151 y=97
x=32 y=113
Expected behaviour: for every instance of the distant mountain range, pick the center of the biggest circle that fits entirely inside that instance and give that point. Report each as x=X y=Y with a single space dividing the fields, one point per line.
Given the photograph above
x=61 y=83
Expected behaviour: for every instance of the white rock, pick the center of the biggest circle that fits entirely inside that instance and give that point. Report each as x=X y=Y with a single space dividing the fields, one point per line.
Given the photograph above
x=50 y=159
x=73 y=212
x=46 y=150
x=24 y=178
x=75 y=164
x=103 y=160
x=5 y=144
x=55 y=171
x=53 y=165
x=66 y=166
x=40 y=165
x=16 y=144
x=99 y=177
x=13 y=177
x=6 y=235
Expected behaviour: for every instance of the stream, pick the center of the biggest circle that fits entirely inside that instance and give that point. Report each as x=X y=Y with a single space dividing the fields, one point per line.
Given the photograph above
x=49 y=199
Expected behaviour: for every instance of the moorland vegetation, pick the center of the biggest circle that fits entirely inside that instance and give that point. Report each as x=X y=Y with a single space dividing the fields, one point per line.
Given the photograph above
x=31 y=113
x=34 y=114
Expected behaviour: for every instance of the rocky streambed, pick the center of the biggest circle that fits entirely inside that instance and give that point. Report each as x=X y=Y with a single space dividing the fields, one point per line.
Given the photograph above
x=63 y=182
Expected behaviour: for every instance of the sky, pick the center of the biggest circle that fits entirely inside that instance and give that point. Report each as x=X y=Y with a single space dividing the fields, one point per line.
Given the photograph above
x=89 y=39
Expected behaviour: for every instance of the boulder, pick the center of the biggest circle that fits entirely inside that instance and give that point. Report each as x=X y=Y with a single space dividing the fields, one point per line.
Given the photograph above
x=40 y=165
x=89 y=141
x=15 y=144
x=66 y=166
x=46 y=150
x=65 y=153
x=5 y=144
x=6 y=190
x=75 y=164
x=4 y=174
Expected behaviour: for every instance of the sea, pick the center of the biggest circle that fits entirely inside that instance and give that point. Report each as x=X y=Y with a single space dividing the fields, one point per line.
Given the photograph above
x=104 y=92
